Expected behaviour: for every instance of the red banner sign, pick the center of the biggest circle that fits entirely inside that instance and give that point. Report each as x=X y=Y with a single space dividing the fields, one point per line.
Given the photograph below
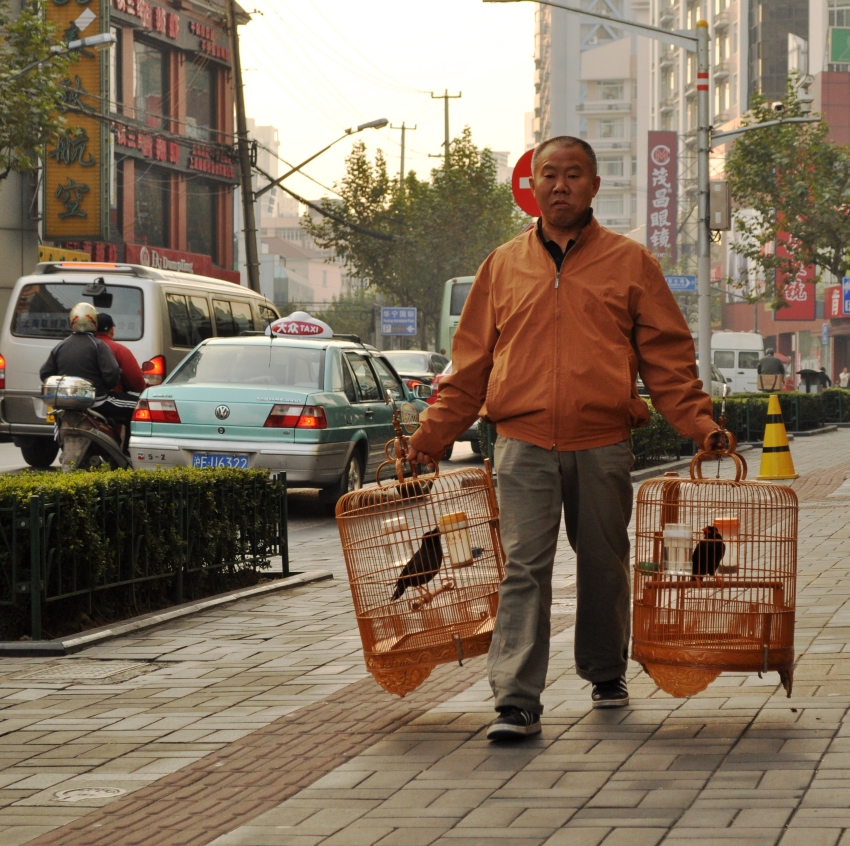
x=661 y=195
x=832 y=302
x=798 y=290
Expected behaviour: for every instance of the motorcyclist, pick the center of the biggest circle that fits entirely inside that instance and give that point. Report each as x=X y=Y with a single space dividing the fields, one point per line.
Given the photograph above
x=132 y=378
x=85 y=356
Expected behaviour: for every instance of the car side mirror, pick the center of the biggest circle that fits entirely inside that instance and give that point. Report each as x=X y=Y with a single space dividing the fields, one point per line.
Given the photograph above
x=422 y=391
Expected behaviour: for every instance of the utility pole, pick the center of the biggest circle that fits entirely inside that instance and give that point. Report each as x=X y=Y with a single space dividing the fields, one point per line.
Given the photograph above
x=403 y=129
x=445 y=97
x=252 y=258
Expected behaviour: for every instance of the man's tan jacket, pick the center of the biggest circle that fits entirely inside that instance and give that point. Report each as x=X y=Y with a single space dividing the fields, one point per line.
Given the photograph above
x=552 y=358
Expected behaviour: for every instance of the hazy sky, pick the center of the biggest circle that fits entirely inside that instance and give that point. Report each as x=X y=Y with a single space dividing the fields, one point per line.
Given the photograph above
x=313 y=68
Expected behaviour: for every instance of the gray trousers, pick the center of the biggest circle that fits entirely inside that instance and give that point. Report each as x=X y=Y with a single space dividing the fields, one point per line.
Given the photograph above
x=594 y=488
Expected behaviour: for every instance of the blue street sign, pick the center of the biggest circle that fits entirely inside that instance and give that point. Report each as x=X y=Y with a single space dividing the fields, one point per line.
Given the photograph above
x=845 y=299
x=398 y=321
x=824 y=334
x=682 y=283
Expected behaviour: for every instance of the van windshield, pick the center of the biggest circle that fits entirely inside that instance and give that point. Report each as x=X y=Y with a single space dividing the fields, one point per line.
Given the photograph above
x=42 y=309
x=264 y=364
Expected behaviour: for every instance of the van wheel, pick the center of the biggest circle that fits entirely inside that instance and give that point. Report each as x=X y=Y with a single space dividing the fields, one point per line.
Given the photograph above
x=351 y=480
x=39 y=453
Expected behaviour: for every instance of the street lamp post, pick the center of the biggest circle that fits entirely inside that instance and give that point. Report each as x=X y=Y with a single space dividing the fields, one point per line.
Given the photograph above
x=97 y=42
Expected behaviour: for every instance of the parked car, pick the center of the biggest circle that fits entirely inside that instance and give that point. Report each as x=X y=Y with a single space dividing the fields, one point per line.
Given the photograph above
x=717 y=383
x=416 y=366
x=471 y=434
x=315 y=408
x=160 y=315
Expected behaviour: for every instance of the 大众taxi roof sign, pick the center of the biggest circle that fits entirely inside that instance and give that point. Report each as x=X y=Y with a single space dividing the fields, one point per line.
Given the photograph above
x=299 y=324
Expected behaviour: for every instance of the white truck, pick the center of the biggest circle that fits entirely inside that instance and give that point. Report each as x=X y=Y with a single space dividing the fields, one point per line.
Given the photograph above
x=736 y=355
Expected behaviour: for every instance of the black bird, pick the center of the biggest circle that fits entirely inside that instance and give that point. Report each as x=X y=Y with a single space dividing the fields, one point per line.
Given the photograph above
x=709 y=552
x=424 y=564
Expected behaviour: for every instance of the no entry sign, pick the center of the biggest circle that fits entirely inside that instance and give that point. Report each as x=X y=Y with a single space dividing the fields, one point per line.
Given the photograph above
x=521 y=185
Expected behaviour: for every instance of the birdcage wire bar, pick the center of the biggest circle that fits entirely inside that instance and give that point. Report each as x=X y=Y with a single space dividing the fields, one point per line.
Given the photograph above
x=449 y=617
x=689 y=627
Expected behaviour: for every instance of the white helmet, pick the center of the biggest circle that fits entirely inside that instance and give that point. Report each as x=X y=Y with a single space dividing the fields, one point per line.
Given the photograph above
x=83 y=317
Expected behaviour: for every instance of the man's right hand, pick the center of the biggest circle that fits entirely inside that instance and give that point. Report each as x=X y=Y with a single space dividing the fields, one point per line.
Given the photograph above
x=416 y=457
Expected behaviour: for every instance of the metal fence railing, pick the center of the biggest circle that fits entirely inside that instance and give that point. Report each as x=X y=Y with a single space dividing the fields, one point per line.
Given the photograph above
x=132 y=536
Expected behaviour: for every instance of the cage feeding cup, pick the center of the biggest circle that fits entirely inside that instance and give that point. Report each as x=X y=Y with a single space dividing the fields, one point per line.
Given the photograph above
x=715 y=576
x=424 y=561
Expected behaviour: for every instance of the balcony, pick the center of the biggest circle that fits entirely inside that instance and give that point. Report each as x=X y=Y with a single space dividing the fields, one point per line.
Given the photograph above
x=721 y=20
x=721 y=70
x=691 y=89
x=606 y=144
x=668 y=104
x=604 y=106
x=668 y=58
x=668 y=14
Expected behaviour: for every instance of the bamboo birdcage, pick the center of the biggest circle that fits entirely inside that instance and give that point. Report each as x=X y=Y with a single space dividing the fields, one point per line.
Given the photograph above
x=690 y=626
x=448 y=523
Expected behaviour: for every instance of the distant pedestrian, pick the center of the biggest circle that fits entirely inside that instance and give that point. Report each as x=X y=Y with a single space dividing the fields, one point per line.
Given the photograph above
x=844 y=378
x=823 y=378
x=771 y=372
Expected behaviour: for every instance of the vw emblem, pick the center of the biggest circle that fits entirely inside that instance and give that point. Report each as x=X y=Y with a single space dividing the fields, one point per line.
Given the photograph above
x=222 y=412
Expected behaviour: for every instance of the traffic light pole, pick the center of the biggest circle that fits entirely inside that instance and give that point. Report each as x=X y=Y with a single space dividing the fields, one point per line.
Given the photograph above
x=703 y=232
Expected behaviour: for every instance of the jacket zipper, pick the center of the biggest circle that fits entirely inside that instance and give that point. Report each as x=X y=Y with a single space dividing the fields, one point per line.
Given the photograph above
x=557 y=354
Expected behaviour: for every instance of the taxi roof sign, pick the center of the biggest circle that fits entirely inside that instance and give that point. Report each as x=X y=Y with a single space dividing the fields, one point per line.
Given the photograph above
x=299 y=324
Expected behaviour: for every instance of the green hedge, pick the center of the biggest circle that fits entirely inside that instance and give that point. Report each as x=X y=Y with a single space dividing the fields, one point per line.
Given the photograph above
x=159 y=533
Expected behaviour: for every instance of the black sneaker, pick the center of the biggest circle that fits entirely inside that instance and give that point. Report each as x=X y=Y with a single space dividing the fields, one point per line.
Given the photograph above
x=610 y=694
x=513 y=724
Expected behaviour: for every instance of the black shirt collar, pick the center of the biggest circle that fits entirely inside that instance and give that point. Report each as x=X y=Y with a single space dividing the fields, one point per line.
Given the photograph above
x=552 y=247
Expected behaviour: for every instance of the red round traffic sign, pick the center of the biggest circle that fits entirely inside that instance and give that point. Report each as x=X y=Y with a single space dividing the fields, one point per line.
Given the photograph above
x=521 y=185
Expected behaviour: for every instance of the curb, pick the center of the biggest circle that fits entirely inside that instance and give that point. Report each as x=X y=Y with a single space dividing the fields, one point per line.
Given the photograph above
x=678 y=464
x=822 y=431
x=74 y=643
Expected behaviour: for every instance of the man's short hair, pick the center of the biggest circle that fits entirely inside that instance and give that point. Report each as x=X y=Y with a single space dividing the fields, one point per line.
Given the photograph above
x=565 y=141
x=104 y=322
x=768 y=351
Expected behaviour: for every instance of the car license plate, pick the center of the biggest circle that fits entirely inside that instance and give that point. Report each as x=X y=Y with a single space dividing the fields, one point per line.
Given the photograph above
x=219 y=459
x=51 y=417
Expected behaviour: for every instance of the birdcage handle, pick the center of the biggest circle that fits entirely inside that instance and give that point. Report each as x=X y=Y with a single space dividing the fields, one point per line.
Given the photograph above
x=729 y=452
x=396 y=452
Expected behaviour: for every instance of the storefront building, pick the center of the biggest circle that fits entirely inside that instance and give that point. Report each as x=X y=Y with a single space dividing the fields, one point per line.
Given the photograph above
x=166 y=161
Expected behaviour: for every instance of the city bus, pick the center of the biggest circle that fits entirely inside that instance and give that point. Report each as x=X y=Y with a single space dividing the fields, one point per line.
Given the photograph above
x=455 y=293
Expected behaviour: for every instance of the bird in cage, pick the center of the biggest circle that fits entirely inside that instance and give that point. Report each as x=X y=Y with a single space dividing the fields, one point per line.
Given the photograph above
x=424 y=564
x=708 y=553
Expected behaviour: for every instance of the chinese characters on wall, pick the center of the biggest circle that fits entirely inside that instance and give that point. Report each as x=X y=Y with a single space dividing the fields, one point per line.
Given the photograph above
x=662 y=188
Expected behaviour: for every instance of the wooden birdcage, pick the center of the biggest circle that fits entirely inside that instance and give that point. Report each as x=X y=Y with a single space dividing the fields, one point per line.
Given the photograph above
x=715 y=577
x=437 y=537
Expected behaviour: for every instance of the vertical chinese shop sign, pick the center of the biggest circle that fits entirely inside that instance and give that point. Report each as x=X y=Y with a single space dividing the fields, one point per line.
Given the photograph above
x=798 y=288
x=661 y=195
x=76 y=172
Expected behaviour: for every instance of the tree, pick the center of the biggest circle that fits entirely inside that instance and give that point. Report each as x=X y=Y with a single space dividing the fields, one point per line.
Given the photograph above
x=432 y=230
x=30 y=105
x=790 y=178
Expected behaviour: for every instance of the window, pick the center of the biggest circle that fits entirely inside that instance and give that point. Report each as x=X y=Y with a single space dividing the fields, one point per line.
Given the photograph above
x=262 y=364
x=634 y=165
x=223 y=319
x=150 y=85
x=201 y=218
x=748 y=360
x=610 y=165
x=389 y=380
x=243 y=320
x=609 y=90
x=152 y=205
x=460 y=291
x=267 y=315
x=724 y=359
x=189 y=318
x=365 y=378
x=609 y=204
x=200 y=102
x=42 y=310
x=610 y=128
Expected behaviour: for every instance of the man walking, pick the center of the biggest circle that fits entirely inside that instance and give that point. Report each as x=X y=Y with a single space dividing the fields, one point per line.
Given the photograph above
x=771 y=372
x=558 y=324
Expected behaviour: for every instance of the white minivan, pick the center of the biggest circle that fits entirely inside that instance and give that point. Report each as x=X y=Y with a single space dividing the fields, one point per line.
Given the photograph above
x=736 y=355
x=160 y=316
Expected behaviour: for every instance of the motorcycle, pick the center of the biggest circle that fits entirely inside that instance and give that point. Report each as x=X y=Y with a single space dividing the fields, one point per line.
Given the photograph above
x=86 y=437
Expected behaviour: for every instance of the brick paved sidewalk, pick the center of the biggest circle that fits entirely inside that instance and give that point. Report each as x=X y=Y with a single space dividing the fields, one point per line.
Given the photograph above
x=256 y=724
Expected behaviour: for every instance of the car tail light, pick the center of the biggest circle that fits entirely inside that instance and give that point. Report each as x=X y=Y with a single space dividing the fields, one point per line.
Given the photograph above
x=435 y=390
x=154 y=370
x=312 y=417
x=412 y=383
x=283 y=417
x=156 y=411
x=2 y=373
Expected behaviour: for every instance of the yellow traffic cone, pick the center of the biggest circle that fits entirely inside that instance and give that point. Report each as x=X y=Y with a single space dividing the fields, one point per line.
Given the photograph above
x=776 y=460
